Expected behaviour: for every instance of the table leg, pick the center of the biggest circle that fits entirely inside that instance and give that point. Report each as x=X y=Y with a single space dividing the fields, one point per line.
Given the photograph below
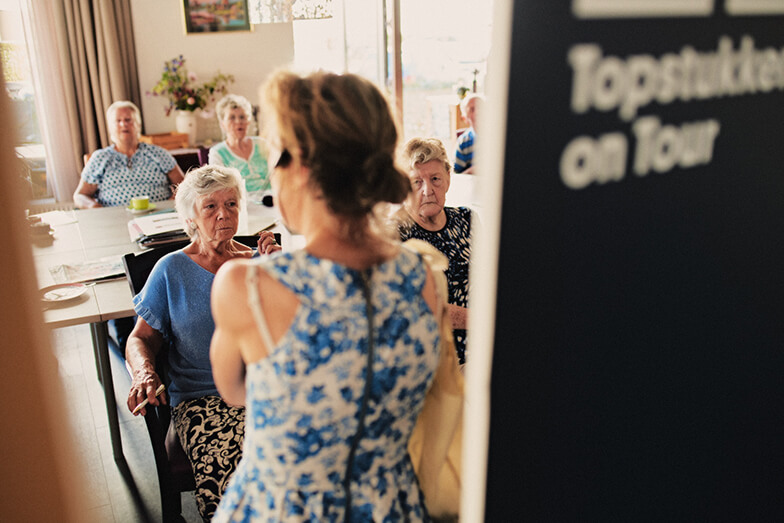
x=96 y=357
x=100 y=335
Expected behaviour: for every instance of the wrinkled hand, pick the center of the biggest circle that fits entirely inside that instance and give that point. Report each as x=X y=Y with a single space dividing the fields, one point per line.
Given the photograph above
x=267 y=243
x=143 y=386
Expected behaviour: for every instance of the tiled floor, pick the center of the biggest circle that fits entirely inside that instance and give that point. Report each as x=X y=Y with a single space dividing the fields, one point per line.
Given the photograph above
x=109 y=497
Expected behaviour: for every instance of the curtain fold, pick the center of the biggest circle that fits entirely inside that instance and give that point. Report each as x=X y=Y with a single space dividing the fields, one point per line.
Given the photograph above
x=83 y=60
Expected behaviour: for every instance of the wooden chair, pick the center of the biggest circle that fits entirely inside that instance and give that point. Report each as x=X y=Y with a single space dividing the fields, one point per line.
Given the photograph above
x=175 y=474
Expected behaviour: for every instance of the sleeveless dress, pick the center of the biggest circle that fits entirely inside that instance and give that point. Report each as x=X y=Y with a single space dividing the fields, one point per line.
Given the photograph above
x=303 y=400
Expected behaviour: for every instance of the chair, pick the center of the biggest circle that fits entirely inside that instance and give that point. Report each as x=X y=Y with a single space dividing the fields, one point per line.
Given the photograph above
x=175 y=474
x=174 y=470
x=204 y=154
x=187 y=159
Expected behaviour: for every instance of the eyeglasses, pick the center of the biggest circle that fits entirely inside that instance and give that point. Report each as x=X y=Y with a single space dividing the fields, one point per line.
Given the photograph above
x=281 y=159
x=284 y=160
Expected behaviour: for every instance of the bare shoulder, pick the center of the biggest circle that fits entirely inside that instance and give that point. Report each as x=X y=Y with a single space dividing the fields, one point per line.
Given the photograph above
x=232 y=271
x=228 y=288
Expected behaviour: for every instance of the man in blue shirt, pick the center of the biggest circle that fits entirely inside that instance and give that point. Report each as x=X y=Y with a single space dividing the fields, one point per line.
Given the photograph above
x=464 y=155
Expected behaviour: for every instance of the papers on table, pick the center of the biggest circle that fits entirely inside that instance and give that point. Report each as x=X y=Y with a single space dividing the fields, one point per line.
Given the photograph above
x=159 y=223
x=57 y=217
x=157 y=228
x=107 y=268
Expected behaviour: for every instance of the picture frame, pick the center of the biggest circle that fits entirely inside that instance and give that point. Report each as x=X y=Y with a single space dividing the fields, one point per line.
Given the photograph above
x=215 y=16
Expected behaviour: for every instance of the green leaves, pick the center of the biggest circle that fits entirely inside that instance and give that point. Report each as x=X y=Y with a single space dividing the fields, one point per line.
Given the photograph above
x=183 y=91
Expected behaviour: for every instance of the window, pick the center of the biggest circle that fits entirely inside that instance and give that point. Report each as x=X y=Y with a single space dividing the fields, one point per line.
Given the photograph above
x=19 y=89
x=445 y=45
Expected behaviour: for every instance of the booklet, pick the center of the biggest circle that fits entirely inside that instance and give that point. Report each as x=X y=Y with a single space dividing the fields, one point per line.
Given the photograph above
x=107 y=268
x=155 y=229
x=159 y=223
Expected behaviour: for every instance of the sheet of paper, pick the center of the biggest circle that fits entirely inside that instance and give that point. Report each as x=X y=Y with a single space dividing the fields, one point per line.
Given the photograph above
x=57 y=217
x=157 y=223
x=100 y=269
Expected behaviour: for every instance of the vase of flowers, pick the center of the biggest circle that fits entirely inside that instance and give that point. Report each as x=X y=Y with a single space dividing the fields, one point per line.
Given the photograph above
x=186 y=95
x=185 y=122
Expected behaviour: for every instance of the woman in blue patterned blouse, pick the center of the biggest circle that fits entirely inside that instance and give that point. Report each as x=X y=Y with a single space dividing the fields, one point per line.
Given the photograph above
x=126 y=169
x=326 y=432
x=448 y=229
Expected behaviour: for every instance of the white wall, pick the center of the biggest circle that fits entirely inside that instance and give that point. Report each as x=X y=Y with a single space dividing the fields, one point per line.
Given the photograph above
x=159 y=30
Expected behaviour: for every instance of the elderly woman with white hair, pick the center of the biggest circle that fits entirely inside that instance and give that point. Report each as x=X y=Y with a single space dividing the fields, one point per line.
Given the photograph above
x=244 y=153
x=127 y=168
x=174 y=312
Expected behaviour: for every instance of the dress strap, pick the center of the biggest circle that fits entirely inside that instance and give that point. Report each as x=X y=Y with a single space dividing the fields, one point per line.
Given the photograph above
x=254 y=302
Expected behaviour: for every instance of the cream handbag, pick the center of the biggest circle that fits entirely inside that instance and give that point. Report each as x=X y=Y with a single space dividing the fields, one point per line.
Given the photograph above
x=435 y=446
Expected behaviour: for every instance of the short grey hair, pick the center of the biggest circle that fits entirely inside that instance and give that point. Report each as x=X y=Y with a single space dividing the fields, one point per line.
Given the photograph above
x=199 y=182
x=111 y=116
x=233 y=101
x=422 y=150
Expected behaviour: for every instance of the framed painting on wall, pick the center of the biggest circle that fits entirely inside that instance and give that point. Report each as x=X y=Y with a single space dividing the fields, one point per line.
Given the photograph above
x=215 y=16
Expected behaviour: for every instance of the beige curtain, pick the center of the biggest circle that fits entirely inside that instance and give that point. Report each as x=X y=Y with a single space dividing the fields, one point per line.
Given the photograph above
x=83 y=60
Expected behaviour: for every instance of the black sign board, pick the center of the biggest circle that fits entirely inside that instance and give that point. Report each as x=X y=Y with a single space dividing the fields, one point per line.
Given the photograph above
x=638 y=367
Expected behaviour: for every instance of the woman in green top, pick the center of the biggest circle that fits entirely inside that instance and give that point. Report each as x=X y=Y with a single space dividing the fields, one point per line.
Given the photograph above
x=238 y=150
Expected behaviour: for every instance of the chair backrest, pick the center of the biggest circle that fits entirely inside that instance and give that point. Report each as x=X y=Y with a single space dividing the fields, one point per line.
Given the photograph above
x=252 y=240
x=204 y=155
x=188 y=159
x=138 y=266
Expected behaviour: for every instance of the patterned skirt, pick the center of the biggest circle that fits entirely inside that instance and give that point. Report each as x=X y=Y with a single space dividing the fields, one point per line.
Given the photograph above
x=211 y=432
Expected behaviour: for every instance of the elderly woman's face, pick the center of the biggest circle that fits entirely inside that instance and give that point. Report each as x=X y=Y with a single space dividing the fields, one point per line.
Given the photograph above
x=217 y=215
x=429 y=184
x=124 y=128
x=235 y=122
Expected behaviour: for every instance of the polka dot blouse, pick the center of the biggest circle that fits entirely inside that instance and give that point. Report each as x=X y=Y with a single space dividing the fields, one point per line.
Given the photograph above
x=120 y=178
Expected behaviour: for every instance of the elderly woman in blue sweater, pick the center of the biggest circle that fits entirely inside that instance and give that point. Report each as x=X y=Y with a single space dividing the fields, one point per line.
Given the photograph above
x=174 y=312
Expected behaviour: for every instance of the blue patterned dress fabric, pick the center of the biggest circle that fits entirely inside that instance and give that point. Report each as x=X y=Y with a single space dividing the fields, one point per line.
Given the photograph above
x=120 y=178
x=303 y=399
x=454 y=241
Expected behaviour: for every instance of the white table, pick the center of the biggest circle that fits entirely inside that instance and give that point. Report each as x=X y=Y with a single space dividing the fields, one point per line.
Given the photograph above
x=95 y=234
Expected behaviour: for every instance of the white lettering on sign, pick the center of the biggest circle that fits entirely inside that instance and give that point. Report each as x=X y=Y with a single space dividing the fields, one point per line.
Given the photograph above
x=586 y=160
x=662 y=147
x=641 y=8
x=628 y=84
x=754 y=7
x=606 y=83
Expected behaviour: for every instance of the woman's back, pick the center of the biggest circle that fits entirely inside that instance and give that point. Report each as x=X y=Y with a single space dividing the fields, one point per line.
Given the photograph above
x=304 y=398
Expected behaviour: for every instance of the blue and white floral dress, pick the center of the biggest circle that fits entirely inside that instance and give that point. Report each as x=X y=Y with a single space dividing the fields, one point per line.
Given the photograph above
x=304 y=398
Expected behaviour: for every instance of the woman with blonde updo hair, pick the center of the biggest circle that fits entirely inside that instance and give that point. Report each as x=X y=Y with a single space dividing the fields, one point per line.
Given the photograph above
x=332 y=348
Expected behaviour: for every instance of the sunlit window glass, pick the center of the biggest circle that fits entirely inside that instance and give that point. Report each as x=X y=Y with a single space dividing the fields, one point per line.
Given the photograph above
x=26 y=134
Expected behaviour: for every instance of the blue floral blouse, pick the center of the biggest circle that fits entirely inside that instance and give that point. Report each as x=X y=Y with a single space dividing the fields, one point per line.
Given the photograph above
x=303 y=399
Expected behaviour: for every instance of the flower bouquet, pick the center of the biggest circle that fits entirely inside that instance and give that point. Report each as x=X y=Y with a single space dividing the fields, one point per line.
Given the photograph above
x=180 y=87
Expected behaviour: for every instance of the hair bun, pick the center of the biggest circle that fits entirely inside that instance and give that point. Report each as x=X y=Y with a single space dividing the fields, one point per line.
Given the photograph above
x=377 y=164
x=384 y=182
